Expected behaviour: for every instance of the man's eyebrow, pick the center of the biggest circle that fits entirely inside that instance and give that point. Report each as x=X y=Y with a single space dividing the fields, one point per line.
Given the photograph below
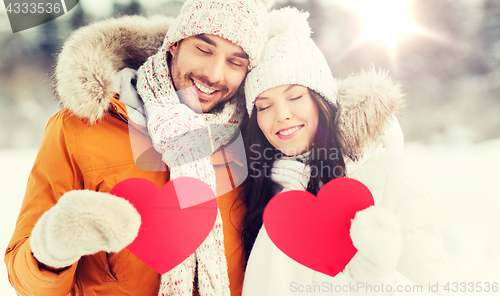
x=242 y=55
x=207 y=39
x=202 y=37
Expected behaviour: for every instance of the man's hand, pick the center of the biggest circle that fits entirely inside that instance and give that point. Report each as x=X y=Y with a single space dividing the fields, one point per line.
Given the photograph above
x=83 y=222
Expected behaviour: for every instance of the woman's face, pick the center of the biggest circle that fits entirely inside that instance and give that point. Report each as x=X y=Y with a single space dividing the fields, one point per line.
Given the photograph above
x=288 y=117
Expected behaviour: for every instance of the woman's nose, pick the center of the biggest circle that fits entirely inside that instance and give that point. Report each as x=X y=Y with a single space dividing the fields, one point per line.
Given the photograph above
x=283 y=113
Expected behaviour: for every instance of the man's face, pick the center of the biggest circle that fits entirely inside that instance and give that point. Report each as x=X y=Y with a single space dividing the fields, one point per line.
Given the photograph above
x=207 y=70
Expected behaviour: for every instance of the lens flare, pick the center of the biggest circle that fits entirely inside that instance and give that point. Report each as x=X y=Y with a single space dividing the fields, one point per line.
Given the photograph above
x=387 y=21
x=384 y=21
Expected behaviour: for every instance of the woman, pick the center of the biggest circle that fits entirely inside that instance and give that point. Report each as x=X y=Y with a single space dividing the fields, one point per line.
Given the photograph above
x=297 y=140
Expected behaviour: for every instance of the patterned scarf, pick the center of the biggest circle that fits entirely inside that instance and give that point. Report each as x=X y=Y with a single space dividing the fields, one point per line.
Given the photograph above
x=186 y=140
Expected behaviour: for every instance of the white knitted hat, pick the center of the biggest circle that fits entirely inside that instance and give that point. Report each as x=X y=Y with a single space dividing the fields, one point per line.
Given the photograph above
x=290 y=57
x=243 y=22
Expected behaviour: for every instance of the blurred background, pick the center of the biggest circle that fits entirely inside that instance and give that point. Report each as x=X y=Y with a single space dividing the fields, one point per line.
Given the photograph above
x=446 y=53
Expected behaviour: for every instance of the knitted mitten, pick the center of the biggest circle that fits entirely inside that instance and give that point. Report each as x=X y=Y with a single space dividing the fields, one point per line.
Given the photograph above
x=291 y=174
x=376 y=234
x=83 y=222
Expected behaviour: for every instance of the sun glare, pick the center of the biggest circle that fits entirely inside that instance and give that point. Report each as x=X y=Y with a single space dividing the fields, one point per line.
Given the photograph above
x=387 y=21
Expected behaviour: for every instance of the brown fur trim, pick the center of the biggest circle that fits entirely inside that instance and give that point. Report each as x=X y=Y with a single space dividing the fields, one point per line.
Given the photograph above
x=91 y=57
x=367 y=100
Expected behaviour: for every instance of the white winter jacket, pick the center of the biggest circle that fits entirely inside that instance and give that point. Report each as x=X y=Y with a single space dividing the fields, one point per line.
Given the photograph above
x=376 y=162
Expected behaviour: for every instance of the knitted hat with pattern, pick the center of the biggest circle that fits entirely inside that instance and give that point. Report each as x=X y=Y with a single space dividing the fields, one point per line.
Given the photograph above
x=290 y=57
x=243 y=22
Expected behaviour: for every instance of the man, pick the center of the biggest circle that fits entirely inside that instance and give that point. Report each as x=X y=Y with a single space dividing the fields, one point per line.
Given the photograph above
x=72 y=241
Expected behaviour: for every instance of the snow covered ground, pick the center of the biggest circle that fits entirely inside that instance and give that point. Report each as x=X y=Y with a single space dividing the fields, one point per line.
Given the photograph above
x=15 y=166
x=465 y=181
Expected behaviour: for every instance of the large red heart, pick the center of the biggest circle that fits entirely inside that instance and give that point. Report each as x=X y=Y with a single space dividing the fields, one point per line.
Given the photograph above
x=169 y=234
x=314 y=231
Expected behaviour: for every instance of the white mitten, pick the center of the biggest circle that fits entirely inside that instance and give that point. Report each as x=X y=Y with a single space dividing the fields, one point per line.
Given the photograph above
x=291 y=174
x=83 y=222
x=375 y=232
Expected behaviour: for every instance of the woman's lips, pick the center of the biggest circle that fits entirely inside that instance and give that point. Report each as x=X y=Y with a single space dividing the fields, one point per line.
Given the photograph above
x=289 y=136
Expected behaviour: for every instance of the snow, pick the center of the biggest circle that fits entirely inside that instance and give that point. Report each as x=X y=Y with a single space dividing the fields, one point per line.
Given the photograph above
x=15 y=166
x=464 y=180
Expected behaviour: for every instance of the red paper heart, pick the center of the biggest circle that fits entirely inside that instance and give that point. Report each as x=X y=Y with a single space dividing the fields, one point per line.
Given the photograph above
x=314 y=231
x=169 y=234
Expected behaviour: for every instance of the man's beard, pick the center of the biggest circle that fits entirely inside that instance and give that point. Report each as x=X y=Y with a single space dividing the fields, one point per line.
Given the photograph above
x=187 y=92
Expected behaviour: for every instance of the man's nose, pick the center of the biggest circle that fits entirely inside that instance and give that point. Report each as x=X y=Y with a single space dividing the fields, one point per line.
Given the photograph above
x=214 y=70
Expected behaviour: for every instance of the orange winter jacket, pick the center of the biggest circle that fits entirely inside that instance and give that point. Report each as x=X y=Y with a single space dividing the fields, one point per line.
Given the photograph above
x=76 y=155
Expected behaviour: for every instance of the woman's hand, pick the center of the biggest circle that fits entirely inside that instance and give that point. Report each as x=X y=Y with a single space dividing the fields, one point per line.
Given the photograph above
x=291 y=174
x=375 y=232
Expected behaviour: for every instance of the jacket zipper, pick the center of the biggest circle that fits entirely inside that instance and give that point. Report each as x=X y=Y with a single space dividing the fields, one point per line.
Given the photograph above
x=121 y=115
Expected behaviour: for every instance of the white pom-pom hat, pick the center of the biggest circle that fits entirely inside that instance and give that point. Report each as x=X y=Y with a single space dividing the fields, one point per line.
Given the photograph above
x=243 y=22
x=290 y=57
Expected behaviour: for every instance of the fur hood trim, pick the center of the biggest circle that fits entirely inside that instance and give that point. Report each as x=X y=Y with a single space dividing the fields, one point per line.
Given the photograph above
x=85 y=74
x=367 y=101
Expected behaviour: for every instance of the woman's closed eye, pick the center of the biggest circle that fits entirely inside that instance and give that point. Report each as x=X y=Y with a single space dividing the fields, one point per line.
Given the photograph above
x=262 y=108
x=296 y=98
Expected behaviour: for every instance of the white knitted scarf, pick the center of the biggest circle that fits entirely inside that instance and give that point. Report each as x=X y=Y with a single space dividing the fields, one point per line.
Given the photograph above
x=186 y=140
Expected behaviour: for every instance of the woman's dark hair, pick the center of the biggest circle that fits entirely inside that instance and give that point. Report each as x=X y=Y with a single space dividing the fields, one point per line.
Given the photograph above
x=326 y=161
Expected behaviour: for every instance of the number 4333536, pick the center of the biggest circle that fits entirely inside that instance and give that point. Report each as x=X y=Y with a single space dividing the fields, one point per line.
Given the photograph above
x=471 y=287
x=33 y=8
